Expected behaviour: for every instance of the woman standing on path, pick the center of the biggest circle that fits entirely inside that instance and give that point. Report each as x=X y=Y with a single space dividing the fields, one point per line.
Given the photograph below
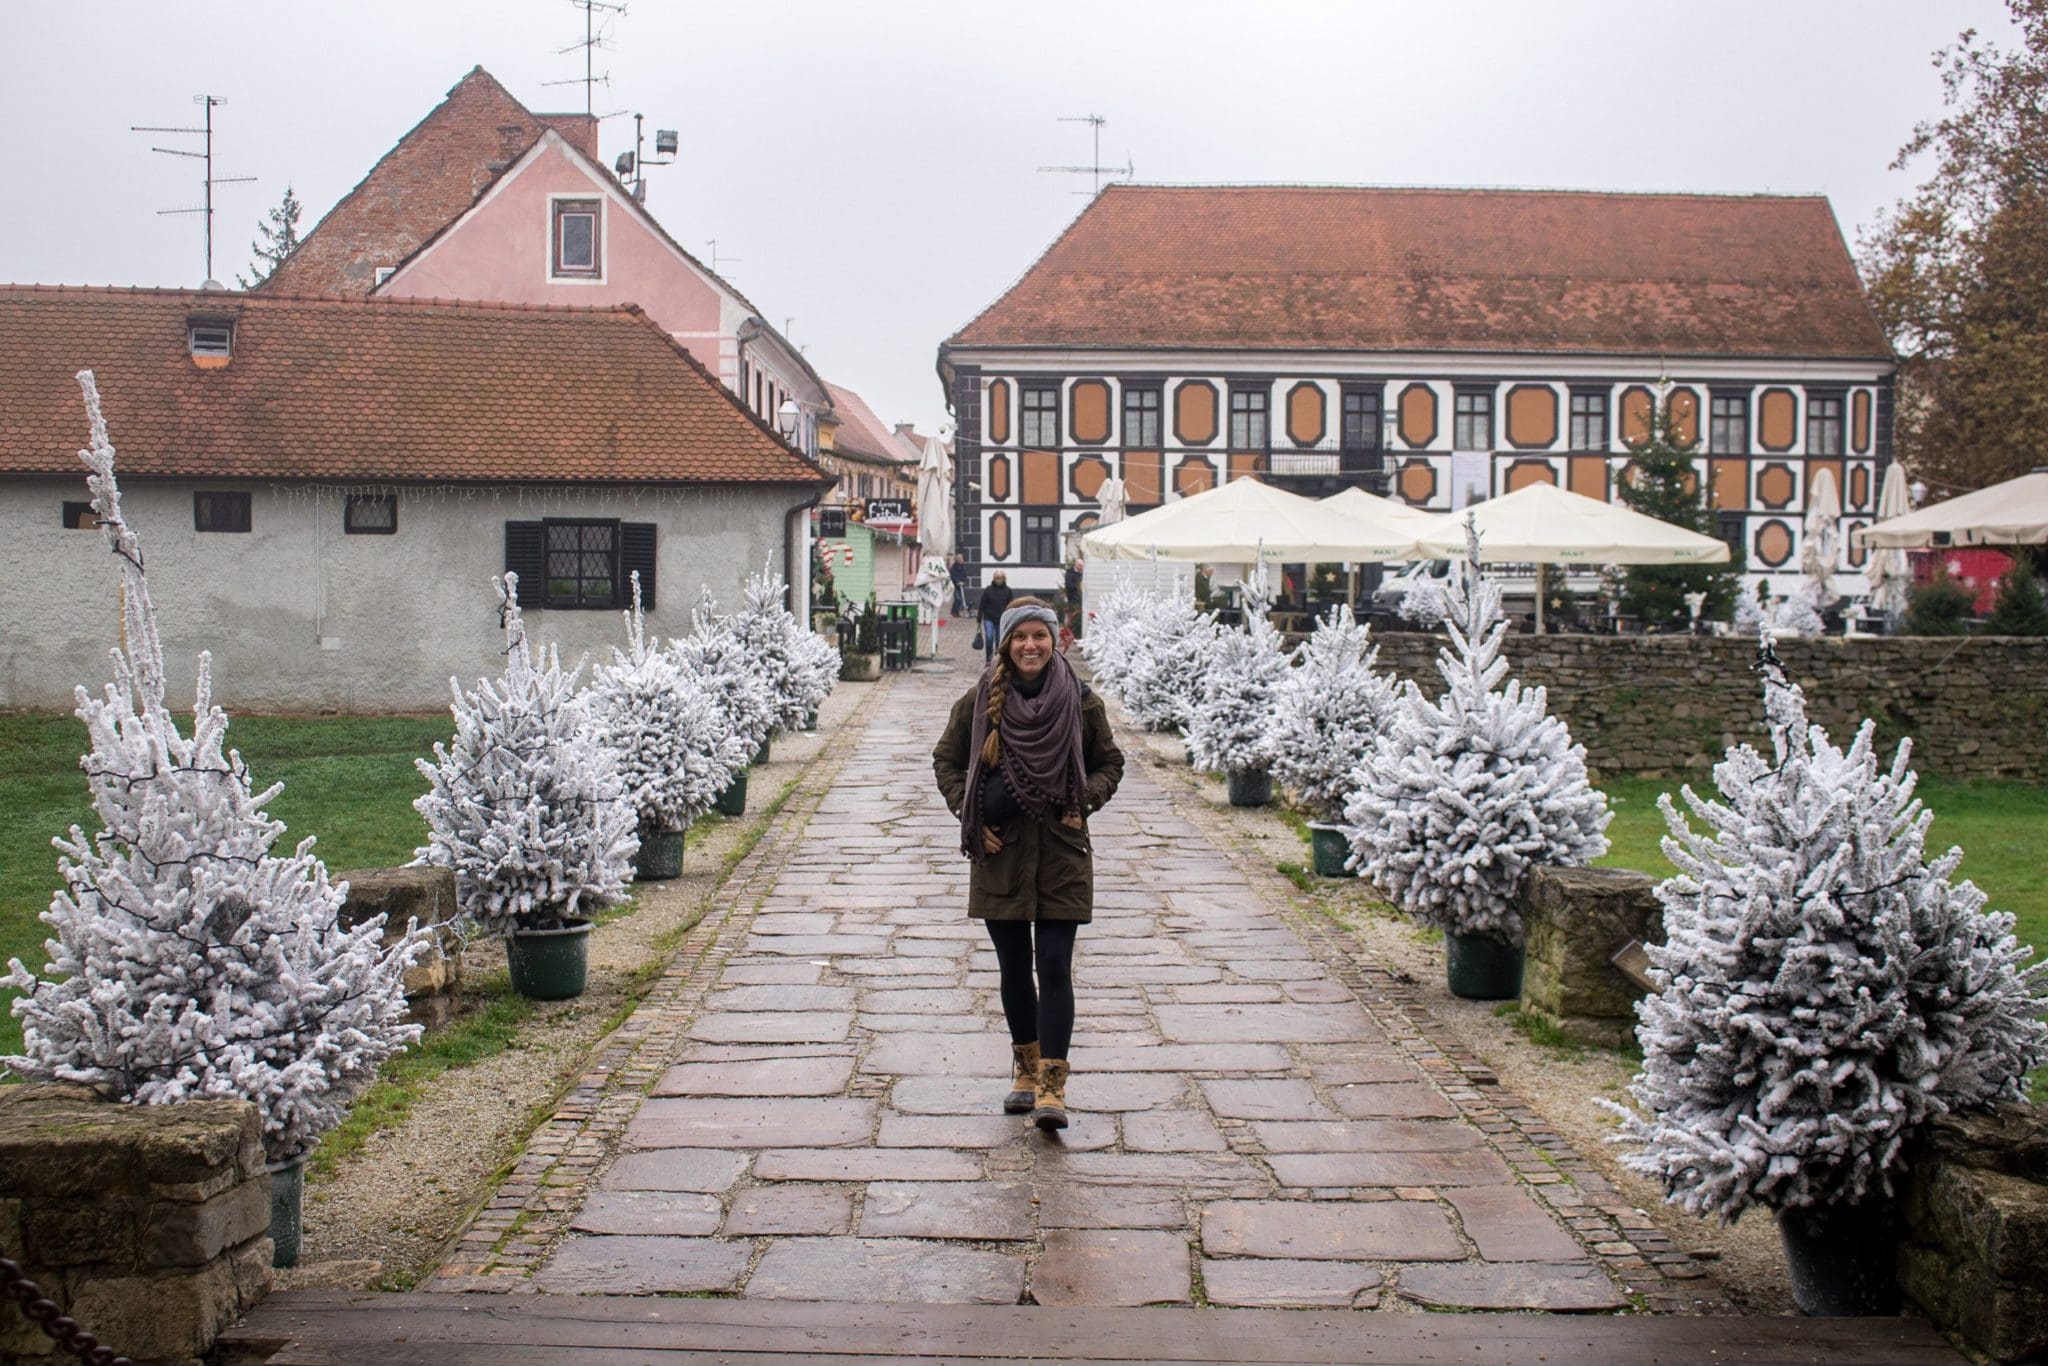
x=995 y=600
x=1027 y=756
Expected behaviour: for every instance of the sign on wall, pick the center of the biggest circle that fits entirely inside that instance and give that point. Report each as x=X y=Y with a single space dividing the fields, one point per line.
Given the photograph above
x=888 y=510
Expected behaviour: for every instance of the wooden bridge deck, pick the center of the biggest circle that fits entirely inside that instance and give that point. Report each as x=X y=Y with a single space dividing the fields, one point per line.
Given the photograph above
x=339 y=1328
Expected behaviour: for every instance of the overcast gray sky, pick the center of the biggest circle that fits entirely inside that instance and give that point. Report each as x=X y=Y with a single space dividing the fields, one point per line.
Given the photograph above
x=873 y=164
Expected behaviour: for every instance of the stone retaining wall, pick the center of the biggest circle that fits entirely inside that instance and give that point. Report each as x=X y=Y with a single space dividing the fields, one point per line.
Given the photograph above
x=1577 y=918
x=147 y=1224
x=1976 y=707
x=403 y=896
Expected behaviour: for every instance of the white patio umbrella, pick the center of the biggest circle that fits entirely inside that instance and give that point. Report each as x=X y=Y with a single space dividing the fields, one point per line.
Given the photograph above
x=2012 y=513
x=1397 y=520
x=935 y=500
x=1820 y=547
x=1246 y=522
x=1112 y=498
x=1544 y=524
x=1886 y=566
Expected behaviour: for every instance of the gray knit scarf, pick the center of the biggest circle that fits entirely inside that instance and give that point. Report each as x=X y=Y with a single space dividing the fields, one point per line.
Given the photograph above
x=1040 y=758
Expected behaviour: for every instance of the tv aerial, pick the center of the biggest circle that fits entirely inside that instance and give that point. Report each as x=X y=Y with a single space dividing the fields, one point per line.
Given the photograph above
x=593 y=39
x=209 y=180
x=1127 y=171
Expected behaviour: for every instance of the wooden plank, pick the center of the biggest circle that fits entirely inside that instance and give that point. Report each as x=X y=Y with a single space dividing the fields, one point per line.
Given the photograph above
x=344 y=1325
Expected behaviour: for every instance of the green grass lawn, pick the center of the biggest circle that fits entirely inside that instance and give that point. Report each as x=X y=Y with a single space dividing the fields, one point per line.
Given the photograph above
x=349 y=780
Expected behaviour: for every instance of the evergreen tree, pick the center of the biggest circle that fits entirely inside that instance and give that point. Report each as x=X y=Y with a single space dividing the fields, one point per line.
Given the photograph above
x=671 y=745
x=783 y=656
x=2018 y=609
x=1172 y=648
x=1939 y=607
x=1230 y=727
x=277 y=237
x=525 y=803
x=1824 y=988
x=1660 y=481
x=1461 y=797
x=716 y=659
x=1329 y=711
x=189 y=961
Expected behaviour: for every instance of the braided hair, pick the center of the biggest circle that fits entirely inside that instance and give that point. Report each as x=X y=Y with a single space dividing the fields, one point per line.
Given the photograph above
x=999 y=692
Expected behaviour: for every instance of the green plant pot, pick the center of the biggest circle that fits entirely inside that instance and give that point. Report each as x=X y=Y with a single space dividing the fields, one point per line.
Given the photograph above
x=1329 y=847
x=1842 y=1260
x=1250 y=787
x=549 y=965
x=811 y=721
x=733 y=801
x=660 y=857
x=287 y=1206
x=1481 y=968
x=762 y=755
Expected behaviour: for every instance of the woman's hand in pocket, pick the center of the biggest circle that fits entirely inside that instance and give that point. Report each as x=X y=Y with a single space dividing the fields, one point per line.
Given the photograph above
x=991 y=842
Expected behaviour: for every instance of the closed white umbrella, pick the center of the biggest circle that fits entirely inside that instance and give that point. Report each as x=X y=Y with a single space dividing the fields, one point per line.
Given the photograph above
x=1544 y=524
x=1886 y=568
x=1112 y=498
x=1245 y=522
x=935 y=500
x=1820 y=548
x=1387 y=517
x=2012 y=513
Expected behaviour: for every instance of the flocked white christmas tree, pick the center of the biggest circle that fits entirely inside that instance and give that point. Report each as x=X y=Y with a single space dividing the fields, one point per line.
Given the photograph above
x=1824 y=988
x=1229 y=729
x=525 y=804
x=1462 y=796
x=672 y=747
x=1172 y=647
x=189 y=961
x=1112 y=625
x=789 y=660
x=1329 y=711
x=716 y=659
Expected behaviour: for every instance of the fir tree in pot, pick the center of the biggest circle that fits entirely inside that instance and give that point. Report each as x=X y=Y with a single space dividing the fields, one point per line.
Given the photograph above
x=1328 y=712
x=1229 y=729
x=717 y=659
x=526 y=805
x=1462 y=796
x=187 y=959
x=1824 y=989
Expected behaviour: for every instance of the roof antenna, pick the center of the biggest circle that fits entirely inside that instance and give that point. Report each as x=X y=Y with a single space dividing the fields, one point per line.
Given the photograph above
x=210 y=179
x=716 y=258
x=592 y=41
x=1127 y=171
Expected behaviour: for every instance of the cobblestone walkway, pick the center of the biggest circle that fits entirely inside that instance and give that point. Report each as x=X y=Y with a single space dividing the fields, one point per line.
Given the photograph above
x=806 y=1108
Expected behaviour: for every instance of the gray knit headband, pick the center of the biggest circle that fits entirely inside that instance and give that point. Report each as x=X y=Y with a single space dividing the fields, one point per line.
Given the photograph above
x=1017 y=616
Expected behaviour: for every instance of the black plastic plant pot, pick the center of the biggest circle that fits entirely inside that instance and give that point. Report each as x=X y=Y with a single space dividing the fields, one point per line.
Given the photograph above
x=810 y=720
x=1843 y=1259
x=1250 y=787
x=1329 y=847
x=733 y=801
x=287 y=1206
x=549 y=965
x=761 y=756
x=1479 y=967
x=660 y=857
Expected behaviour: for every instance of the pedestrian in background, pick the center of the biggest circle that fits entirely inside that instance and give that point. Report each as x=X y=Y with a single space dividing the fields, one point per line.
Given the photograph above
x=1026 y=758
x=956 y=570
x=995 y=600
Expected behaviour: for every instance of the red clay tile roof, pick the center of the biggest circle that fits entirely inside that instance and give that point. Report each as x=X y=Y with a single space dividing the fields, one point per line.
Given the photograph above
x=431 y=176
x=861 y=433
x=1343 y=268
x=372 y=390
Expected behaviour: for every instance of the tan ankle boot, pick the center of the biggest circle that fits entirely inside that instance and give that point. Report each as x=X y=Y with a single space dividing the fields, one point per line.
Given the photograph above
x=1050 y=1111
x=1023 y=1079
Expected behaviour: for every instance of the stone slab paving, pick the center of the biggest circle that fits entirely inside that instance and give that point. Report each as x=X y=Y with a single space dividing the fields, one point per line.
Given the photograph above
x=809 y=1106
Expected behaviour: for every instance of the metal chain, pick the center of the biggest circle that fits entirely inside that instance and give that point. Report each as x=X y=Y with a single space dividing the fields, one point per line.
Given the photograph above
x=42 y=1311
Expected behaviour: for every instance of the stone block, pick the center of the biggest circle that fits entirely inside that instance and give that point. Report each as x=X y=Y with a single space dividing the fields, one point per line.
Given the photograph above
x=1976 y=1210
x=187 y=1235
x=62 y=1142
x=1576 y=919
x=168 y=1314
x=80 y=1231
x=401 y=896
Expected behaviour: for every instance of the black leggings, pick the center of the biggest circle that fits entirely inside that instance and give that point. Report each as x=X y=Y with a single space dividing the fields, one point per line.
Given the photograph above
x=1044 y=1013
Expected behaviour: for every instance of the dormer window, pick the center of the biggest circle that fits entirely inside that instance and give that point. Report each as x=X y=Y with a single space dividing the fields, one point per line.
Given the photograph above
x=576 y=249
x=210 y=341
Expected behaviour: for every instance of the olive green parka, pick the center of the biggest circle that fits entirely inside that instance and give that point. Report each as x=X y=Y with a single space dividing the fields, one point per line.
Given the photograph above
x=1045 y=869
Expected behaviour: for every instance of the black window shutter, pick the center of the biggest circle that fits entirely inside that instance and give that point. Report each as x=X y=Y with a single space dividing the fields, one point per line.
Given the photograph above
x=636 y=552
x=524 y=557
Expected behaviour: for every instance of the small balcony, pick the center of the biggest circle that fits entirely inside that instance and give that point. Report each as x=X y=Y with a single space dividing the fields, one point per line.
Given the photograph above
x=1318 y=474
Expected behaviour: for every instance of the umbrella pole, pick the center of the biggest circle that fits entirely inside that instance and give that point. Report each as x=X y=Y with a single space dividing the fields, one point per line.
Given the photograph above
x=1539 y=599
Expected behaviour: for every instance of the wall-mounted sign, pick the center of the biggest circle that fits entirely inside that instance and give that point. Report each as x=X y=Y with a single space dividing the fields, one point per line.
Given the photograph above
x=832 y=521
x=888 y=509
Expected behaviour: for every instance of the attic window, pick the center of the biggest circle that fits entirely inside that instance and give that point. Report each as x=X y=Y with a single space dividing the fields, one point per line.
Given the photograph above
x=211 y=340
x=384 y=273
x=575 y=239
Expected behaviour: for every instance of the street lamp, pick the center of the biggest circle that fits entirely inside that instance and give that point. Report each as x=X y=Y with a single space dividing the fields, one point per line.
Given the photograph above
x=785 y=420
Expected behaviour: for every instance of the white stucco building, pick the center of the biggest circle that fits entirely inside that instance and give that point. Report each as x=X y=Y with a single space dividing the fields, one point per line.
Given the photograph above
x=324 y=488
